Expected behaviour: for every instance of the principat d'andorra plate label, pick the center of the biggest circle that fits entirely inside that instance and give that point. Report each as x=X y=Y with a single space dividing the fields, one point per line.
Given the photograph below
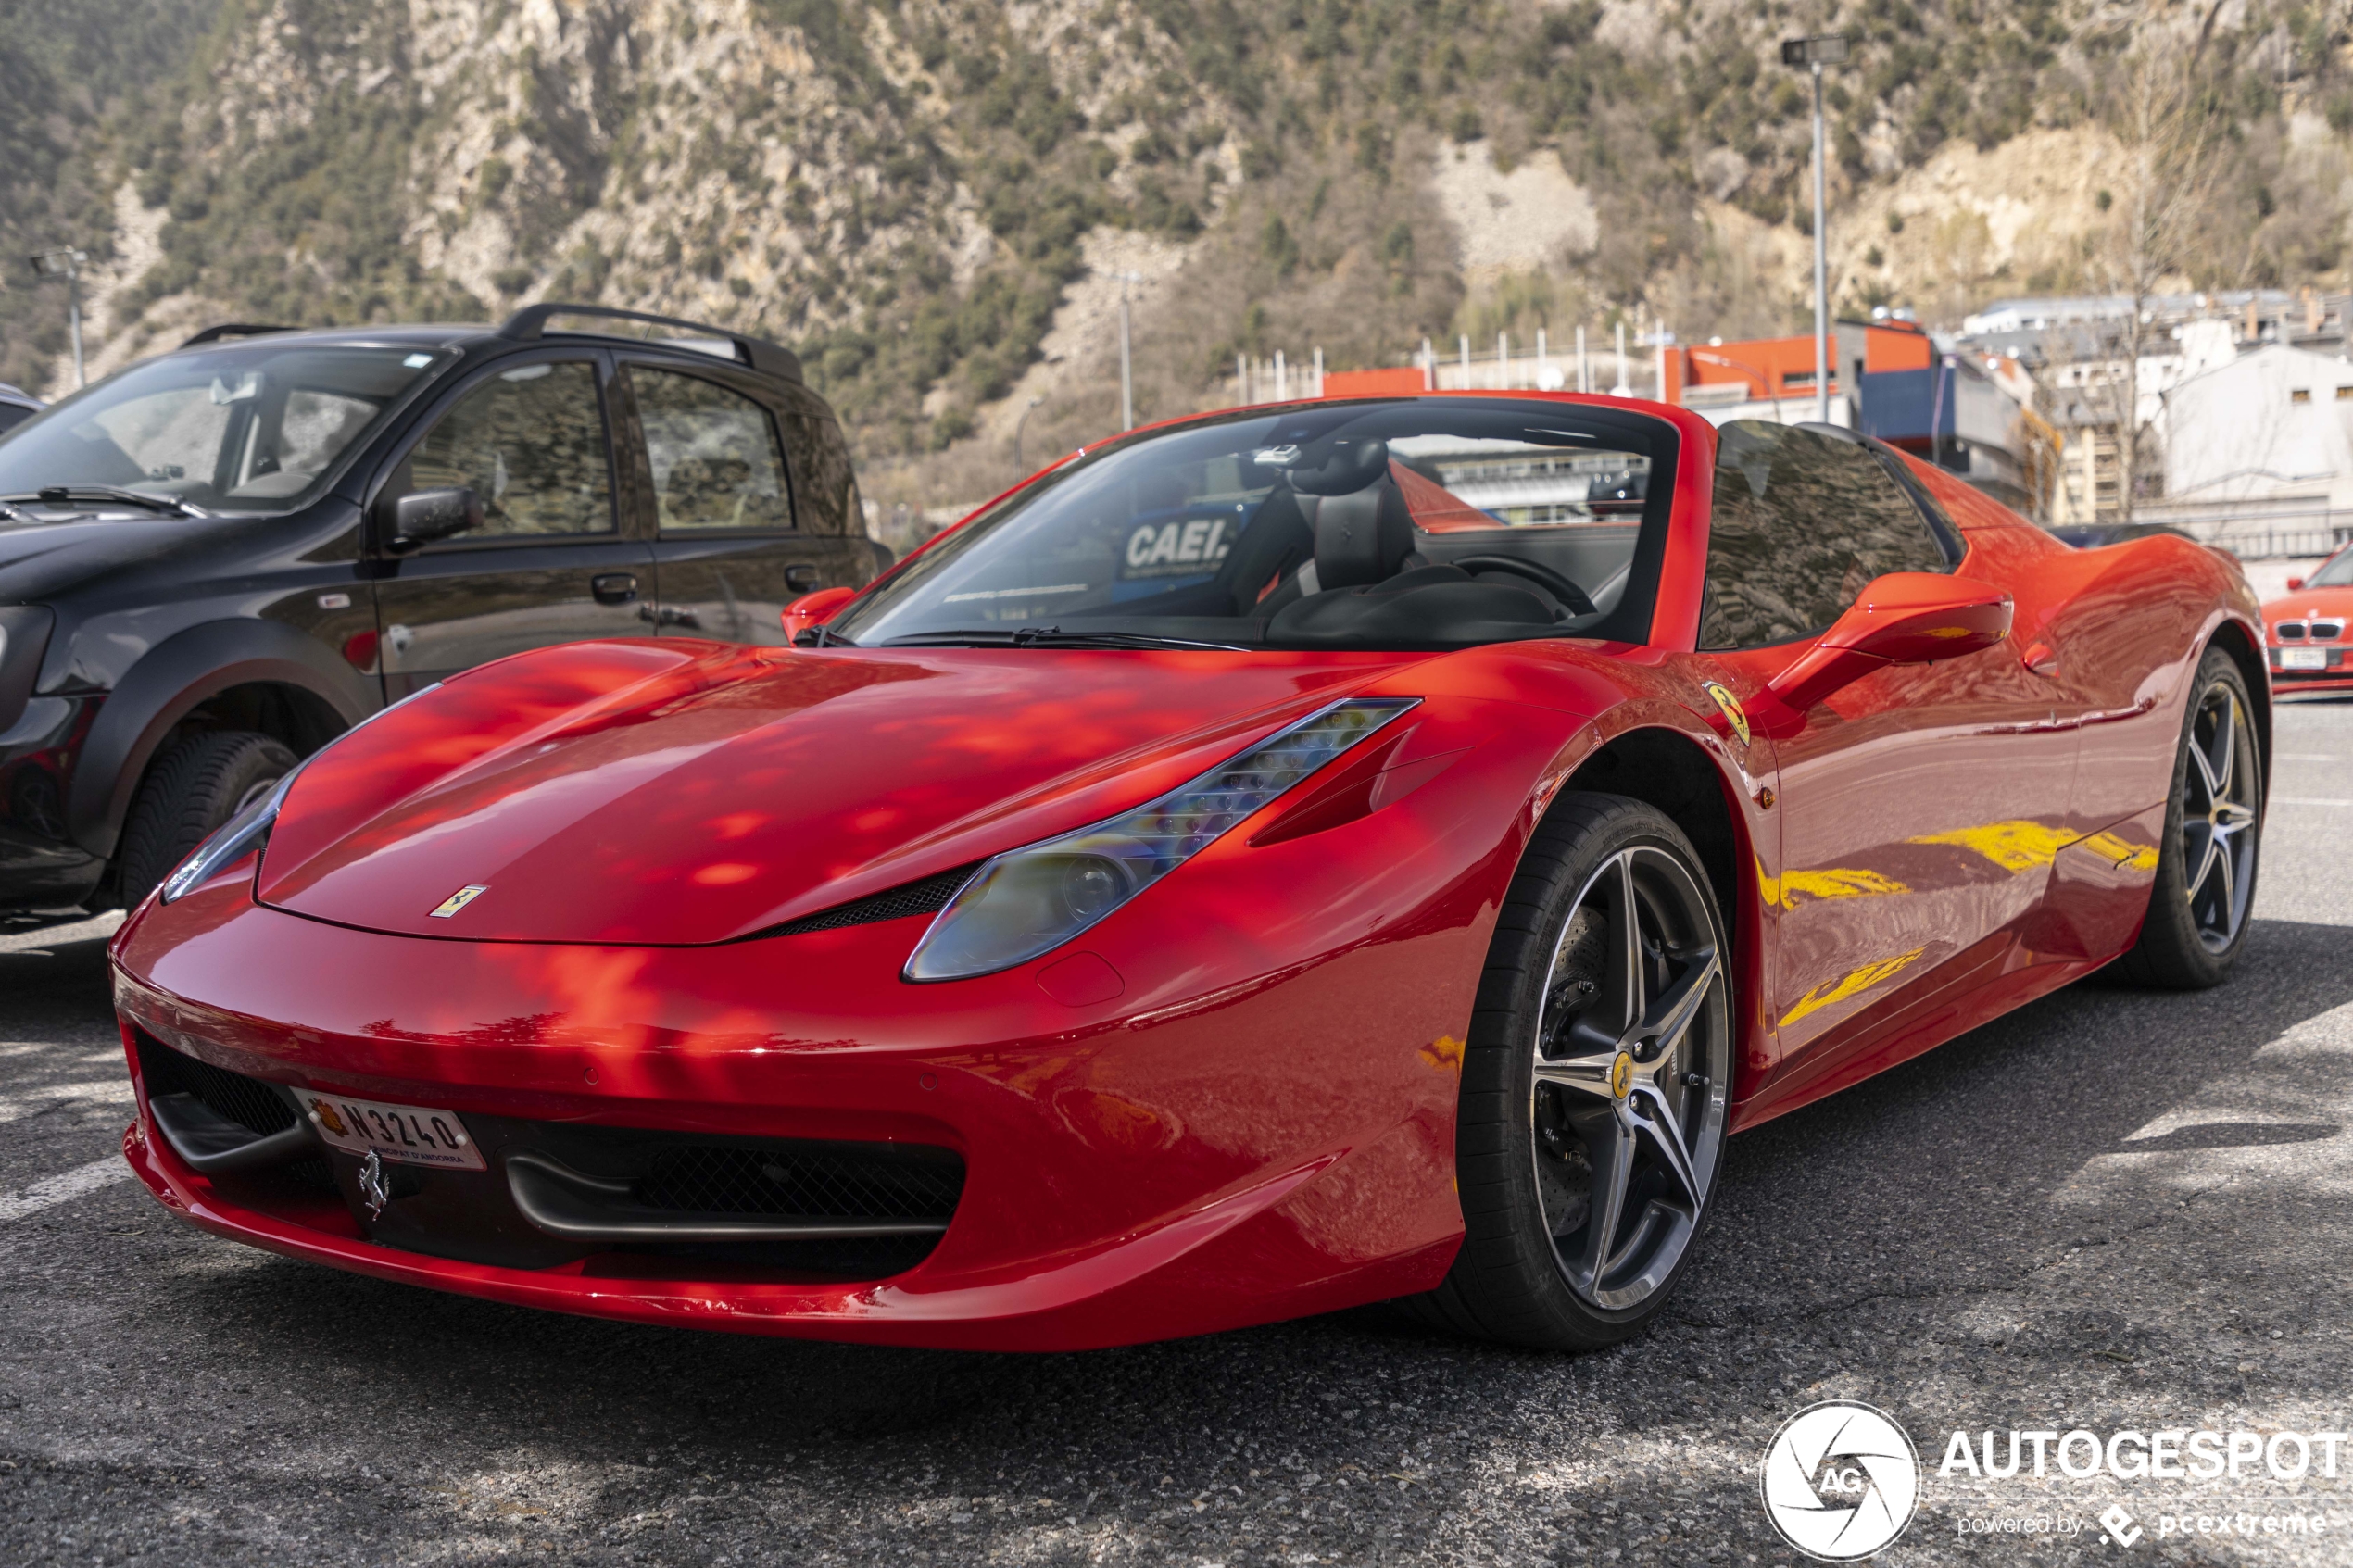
x=411 y=1134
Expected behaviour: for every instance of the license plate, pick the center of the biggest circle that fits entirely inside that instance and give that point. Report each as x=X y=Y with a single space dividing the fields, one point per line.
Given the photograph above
x=2304 y=658
x=411 y=1135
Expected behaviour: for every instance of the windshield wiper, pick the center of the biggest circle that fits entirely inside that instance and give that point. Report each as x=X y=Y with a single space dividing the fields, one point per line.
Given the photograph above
x=1053 y=636
x=66 y=494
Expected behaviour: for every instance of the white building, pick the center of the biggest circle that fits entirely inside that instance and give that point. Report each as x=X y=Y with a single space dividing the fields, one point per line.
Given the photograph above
x=2273 y=425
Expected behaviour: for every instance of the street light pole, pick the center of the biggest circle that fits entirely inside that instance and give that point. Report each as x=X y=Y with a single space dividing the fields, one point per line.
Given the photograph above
x=1126 y=371
x=1026 y=409
x=67 y=264
x=1814 y=54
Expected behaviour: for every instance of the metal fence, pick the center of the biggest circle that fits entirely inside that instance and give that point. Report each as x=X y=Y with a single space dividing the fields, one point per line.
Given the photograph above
x=2262 y=536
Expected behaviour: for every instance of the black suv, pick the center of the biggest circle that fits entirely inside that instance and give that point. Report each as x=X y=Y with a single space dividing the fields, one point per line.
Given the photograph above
x=216 y=560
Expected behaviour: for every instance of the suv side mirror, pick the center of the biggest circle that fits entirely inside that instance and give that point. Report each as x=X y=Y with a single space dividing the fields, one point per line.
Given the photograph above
x=1903 y=618
x=422 y=516
x=2293 y=584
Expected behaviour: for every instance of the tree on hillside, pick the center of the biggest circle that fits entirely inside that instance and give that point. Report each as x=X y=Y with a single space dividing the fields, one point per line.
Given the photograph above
x=2170 y=119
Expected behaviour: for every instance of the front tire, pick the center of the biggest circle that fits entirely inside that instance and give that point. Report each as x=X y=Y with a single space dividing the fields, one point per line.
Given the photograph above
x=2205 y=888
x=1590 y=1130
x=193 y=789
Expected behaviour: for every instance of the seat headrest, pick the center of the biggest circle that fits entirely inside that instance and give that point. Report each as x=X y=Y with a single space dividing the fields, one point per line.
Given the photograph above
x=1362 y=536
x=1341 y=469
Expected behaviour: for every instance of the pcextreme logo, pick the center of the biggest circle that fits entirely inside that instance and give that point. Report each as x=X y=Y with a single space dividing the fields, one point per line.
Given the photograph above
x=1840 y=1480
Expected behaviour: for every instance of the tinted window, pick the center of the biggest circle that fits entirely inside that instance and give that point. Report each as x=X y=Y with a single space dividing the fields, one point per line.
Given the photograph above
x=1802 y=522
x=716 y=462
x=14 y=414
x=530 y=442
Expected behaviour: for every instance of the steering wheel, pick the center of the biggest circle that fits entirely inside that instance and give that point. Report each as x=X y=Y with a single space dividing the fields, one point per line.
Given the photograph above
x=1542 y=576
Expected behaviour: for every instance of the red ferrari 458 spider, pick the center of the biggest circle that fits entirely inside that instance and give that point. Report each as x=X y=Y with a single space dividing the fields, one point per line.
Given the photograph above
x=1282 y=859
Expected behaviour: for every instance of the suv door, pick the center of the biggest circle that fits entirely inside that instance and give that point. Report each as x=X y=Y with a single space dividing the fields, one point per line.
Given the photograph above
x=551 y=563
x=1921 y=806
x=731 y=546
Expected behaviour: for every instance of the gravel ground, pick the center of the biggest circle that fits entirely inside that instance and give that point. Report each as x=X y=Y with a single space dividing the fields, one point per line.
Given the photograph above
x=2110 y=1209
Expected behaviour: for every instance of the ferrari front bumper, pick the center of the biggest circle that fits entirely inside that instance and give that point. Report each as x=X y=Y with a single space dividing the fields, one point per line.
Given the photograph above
x=1159 y=1163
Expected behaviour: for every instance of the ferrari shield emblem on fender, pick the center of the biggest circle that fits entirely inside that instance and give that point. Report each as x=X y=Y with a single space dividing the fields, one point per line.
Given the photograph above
x=1734 y=714
x=465 y=896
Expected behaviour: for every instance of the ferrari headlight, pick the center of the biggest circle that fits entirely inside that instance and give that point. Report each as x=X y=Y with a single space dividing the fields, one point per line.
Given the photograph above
x=1030 y=901
x=242 y=833
x=232 y=840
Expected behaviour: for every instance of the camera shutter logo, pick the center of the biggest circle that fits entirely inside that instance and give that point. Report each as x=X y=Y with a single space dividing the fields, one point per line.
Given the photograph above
x=1841 y=1481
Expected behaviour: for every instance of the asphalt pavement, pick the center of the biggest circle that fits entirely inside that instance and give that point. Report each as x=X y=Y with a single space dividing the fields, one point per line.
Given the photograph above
x=2110 y=1209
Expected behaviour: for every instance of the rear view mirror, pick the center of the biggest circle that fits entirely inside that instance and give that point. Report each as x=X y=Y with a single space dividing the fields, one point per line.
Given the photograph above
x=1903 y=618
x=2293 y=584
x=423 y=515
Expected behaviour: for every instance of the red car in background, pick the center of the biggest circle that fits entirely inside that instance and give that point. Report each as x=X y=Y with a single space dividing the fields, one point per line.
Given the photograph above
x=2305 y=630
x=1282 y=860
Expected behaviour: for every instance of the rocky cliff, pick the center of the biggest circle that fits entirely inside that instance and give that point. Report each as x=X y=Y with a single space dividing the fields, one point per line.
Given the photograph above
x=941 y=203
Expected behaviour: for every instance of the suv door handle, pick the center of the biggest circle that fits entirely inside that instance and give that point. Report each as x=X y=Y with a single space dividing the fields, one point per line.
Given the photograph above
x=800 y=578
x=613 y=587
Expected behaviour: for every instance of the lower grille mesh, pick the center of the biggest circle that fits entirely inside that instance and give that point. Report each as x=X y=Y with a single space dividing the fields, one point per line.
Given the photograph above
x=243 y=1101
x=925 y=897
x=786 y=1179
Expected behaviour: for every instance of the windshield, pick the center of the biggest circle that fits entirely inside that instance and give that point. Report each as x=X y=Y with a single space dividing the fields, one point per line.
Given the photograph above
x=256 y=428
x=1416 y=524
x=2335 y=572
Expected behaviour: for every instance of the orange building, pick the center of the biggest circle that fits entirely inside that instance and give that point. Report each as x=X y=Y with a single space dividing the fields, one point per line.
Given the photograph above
x=1784 y=367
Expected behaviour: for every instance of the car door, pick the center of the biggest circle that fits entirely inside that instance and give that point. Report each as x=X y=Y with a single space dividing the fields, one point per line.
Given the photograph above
x=731 y=545
x=1920 y=807
x=553 y=562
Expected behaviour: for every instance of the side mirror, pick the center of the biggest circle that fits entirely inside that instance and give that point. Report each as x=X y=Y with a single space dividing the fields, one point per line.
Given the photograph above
x=813 y=609
x=1903 y=618
x=422 y=516
x=2293 y=584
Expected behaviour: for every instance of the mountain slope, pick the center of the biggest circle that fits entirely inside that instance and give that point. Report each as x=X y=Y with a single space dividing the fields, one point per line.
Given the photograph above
x=936 y=201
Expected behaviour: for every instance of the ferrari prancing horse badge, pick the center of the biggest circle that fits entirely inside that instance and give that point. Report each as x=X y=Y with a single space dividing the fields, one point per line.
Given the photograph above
x=1734 y=714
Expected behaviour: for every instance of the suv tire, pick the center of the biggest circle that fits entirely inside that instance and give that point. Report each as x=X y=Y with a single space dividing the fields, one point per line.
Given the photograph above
x=190 y=791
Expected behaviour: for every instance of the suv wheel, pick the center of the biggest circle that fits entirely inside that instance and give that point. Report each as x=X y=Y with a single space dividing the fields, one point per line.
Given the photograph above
x=191 y=789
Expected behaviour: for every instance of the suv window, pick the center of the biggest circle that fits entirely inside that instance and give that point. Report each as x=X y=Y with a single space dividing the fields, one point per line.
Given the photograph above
x=530 y=442
x=1801 y=524
x=714 y=454
x=256 y=426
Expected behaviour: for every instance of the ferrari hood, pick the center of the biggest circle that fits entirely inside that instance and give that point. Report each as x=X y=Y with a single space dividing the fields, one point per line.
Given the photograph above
x=683 y=794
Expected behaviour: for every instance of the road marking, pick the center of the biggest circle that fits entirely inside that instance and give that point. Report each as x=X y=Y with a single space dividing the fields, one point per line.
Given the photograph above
x=63 y=1189
x=2306 y=801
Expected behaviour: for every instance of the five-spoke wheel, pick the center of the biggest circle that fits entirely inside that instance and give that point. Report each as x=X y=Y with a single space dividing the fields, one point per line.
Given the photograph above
x=1592 y=1124
x=2198 y=913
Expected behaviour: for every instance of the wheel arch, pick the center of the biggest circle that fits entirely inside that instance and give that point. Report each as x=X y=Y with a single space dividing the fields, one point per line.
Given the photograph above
x=253 y=674
x=1669 y=770
x=2246 y=652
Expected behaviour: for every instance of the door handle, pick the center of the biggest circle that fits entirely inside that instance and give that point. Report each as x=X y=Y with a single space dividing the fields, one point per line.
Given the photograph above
x=800 y=578
x=613 y=587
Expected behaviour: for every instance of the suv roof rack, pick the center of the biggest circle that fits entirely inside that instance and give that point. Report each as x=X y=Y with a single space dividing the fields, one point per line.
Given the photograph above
x=234 y=329
x=529 y=324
